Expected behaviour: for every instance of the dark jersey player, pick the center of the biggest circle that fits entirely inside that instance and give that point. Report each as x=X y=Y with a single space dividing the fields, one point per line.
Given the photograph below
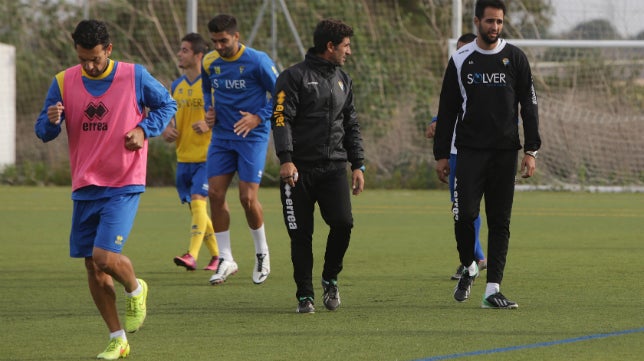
x=485 y=83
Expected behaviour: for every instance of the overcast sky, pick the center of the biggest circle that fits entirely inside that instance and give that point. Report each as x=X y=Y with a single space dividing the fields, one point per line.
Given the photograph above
x=627 y=16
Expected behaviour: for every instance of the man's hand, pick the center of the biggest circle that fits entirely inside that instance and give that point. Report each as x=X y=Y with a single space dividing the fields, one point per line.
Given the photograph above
x=170 y=133
x=528 y=165
x=210 y=117
x=247 y=123
x=54 y=113
x=431 y=130
x=357 y=181
x=288 y=173
x=442 y=170
x=200 y=127
x=134 y=139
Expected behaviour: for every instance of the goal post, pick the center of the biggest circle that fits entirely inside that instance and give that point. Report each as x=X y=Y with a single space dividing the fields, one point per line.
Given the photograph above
x=8 y=106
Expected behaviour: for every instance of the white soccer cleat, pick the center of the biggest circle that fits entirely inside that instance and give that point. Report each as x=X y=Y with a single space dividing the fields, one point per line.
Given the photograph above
x=262 y=268
x=225 y=269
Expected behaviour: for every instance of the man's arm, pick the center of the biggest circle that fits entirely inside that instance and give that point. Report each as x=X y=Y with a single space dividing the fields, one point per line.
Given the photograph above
x=352 y=137
x=285 y=99
x=449 y=106
x=527 y=96
x=206 y=85
x=157 y=99
x=267 y=77
x=46 y=130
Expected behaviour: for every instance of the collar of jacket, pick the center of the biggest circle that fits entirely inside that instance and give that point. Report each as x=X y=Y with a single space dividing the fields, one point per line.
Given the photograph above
x=320 y=64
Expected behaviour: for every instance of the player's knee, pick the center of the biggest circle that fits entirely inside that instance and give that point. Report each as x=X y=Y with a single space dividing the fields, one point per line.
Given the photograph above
x=216 y=196
x=248 y=201
x=342 y=225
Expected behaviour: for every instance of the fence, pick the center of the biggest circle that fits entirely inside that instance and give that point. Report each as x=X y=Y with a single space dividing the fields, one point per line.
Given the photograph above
x=591 y=99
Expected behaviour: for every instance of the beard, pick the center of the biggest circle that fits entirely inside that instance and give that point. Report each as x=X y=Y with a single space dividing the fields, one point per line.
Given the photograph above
x=488 y=39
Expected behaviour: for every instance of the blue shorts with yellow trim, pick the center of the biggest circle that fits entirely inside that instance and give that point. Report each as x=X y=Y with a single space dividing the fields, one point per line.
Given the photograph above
x=191 y=179
x=246 y=157
x=104 y=223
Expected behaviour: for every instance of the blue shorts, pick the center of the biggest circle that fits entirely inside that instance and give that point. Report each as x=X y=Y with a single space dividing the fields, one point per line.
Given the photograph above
x=191 y=179
x=104 y=223
x=245 y=157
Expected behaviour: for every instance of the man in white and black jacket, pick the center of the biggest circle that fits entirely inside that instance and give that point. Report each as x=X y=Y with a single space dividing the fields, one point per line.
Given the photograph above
x=484 y=84
x=316 y=133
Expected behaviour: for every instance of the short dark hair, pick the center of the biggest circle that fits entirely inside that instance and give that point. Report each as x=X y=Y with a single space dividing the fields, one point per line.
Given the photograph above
x=330 y=30
x=466 y=38
x=199 y=44
x=223 y=22
x=482 y=4
x=90 y=33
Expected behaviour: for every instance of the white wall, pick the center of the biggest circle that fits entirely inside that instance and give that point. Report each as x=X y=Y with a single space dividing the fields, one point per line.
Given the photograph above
x=7 y=105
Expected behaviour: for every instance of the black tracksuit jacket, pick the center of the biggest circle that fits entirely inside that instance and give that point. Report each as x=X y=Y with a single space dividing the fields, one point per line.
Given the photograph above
x=314 y=120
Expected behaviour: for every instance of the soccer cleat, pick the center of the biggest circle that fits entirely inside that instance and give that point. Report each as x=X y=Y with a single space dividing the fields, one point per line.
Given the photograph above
x=305 y=305
x=136 y=309
x=213 y=264
x=457 y=275
x=262 y=268
x=499 y=301
x=331 y=297
x=116 y=349
x=464 y=285
x=186 y=261
x=224 y=269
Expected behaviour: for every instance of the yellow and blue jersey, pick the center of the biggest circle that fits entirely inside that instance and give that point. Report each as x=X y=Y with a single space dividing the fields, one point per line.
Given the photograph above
x=244 y=82
x=192 y=147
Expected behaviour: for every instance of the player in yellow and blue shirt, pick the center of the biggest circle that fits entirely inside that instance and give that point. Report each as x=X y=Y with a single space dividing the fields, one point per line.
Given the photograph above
x=237 y=84
x=192 y=135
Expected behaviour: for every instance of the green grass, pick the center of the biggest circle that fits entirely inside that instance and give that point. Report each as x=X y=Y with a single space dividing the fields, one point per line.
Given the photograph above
x=575 y=268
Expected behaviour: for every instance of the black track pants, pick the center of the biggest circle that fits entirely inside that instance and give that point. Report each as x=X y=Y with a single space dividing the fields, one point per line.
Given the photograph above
x=330 y=189
x=490 y=174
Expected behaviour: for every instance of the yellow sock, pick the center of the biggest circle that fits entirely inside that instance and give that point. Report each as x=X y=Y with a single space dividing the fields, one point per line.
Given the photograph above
x=210 y=239
x=200 y=220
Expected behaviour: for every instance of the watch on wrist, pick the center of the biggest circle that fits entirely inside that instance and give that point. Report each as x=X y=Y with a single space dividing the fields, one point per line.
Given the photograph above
x=532 y=153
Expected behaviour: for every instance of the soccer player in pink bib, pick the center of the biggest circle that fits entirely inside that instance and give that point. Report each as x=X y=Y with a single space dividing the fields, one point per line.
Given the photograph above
x=103 y=105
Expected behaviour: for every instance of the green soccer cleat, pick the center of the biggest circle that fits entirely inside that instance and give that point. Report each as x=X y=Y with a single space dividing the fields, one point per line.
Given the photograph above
x=116 y=349
x=305 y=305
x=136 y=309
x=331 y=297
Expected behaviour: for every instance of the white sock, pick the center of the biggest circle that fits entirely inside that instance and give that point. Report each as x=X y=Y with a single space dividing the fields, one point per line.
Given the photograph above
x=223 y=241
x=259 y=237
x=491 y=289
x=120 y=333
x=136 y=292
x=473 y=268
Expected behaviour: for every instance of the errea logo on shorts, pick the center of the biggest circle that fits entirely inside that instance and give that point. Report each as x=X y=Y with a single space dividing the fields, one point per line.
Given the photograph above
x=119 y=240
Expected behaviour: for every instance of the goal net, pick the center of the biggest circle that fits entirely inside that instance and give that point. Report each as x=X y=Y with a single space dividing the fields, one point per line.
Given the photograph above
x=587 y=59
x=591 y=113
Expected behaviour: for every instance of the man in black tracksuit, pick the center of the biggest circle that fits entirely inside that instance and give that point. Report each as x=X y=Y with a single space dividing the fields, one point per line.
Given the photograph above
x=484 y=83
x=316 y=132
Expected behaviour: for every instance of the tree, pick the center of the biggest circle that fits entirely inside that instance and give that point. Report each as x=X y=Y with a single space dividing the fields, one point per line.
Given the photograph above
x=598 y=29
